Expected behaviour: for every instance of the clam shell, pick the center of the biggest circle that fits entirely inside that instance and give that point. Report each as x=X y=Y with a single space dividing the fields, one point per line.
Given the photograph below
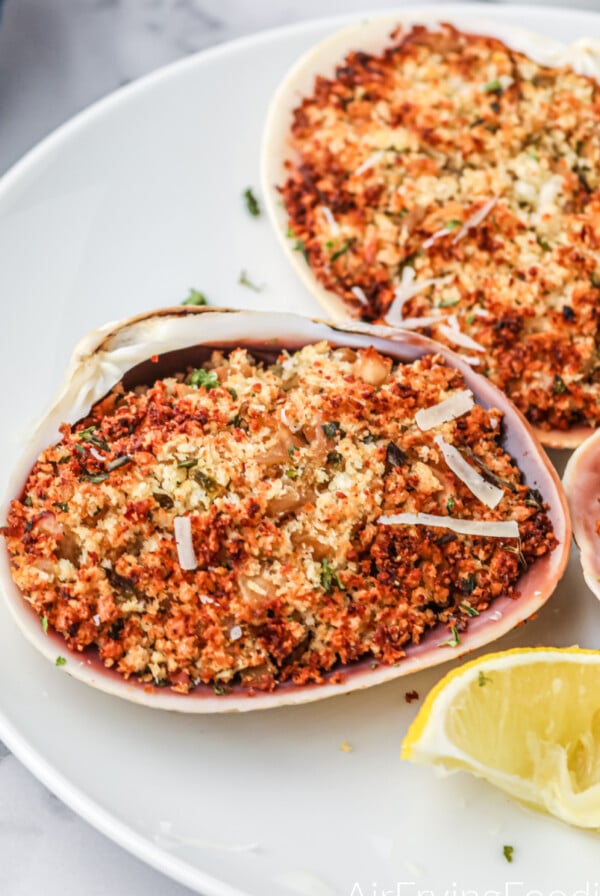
x=372 y=35
x=182 y=335
x=581 y=480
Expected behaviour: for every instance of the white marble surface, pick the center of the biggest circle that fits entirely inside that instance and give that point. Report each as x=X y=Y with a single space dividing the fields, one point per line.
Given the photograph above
x=56 y=57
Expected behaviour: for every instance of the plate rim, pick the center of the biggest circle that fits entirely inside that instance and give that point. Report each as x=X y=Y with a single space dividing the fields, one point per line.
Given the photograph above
x=140 y=846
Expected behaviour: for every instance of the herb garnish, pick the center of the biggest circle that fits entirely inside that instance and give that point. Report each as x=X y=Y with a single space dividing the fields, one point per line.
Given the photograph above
x=245 y=281
x=595 y=280
x=291 y=473
x=332 y=429
x=298 y=243
x=341 y=251
x=96 y=478
x=507 y=852
x=450 y=504
x=195 y=298
x=44 y=624
x=207 y=482
x=471 y=319
x=251 y=202
x=493 y=87
x=469 y=610
x=186 y=464
x=233 y=393
x=543 y=244
x=468 y=584
x=61 y=505
x=482 y=679
x=118 y=462
x=201 y=377
x=334 y=457
x=453 y=224
x=448 y=303
x=88 y=435
x=60 y=661
x=220 y=690
x=329 y=576
x=28 y=501
x=454 y=641
x=559 y=385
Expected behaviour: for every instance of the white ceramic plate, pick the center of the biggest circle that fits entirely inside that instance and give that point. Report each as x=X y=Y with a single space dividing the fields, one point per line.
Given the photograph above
x=122 y=210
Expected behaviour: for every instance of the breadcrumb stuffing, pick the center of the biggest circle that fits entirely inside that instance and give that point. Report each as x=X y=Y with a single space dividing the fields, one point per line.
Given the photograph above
x=465 y=176
x=283 y=471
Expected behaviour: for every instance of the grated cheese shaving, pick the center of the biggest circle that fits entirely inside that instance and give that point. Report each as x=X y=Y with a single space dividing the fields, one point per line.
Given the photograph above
x=475 y=219
x=484 y=528
x=456 y=405
x=332 y=223
x=368 y=163
x=488 y=494
x=457 y=337
x=183 y=538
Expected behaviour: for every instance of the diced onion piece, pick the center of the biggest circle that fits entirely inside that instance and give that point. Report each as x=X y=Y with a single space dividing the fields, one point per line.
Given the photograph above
x=235 y=633
x=484 y=528
x=450 y=408
x=457 y=337
x=475 y=219
x=368 y=163
x=360 y=295
x=407 y=289
x=293 y=427
x=480 y=312
x=185 y=547
x=488 y=494
x=470 y=359
x=333 y=224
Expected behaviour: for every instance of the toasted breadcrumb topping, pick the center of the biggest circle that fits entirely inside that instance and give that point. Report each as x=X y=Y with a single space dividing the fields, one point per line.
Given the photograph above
x=460 y=173
x=283 y=471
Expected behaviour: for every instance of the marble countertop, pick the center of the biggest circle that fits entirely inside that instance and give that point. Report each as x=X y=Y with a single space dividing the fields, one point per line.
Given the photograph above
x=56 y=58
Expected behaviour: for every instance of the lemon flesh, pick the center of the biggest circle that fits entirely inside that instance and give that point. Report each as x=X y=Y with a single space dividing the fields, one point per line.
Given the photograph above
x=528 y=721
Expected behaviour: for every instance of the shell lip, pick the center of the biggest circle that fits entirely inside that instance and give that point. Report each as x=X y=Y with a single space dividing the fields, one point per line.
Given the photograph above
x=581 y=481
x=209 y=326
x=324 y=55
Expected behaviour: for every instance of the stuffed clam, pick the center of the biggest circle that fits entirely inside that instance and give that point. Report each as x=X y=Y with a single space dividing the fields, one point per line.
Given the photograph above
x=444 y=177
x=582 y=485
x=230 y=510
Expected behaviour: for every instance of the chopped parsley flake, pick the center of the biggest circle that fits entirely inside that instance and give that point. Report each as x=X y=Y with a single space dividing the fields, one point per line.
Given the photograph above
x=332 y=429
x=471 y=319
x=493 y=86
x=245 y=281
x=469 y=610
x=453 y=224
x=251 y=202
x=329 y=576
x=95 y=478
x=28 y=501
x=453 y=641
x=201 y=377
x=44 y=624
x=291 y=473
x=450 y=504
x=482 y=679
x=559 y=385
x=60 y=661
x=448 y=303
x=195 y=298
x=507 y=852
x=341 y=251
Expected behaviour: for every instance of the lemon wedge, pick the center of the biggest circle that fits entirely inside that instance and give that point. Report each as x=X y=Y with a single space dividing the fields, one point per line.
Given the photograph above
x=527 y=720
